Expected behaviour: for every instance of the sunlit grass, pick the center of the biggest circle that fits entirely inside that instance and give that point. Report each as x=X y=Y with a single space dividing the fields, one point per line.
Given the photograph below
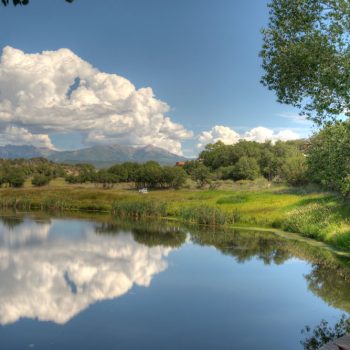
x=323 y=216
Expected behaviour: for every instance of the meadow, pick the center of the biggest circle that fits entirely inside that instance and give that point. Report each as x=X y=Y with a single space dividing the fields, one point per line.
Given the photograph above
x=323 y=216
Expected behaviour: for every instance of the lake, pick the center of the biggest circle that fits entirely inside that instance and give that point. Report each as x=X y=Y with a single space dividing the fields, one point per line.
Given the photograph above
x=94 y=282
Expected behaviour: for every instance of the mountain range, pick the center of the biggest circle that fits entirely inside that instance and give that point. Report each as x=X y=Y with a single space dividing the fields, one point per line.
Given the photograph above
x=100 y=156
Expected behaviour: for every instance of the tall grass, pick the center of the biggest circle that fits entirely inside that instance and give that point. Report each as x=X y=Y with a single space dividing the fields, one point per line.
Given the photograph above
x=314 y=220
x=208 y=215
x=139 y=209
x=27 y=203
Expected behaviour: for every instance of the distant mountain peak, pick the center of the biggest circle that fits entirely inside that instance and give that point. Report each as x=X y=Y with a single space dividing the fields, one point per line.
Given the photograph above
x=99 y=155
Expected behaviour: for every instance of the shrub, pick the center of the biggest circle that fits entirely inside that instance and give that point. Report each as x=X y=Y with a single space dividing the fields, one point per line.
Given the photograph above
x=16 y=178
x=294 y=171
x=201 y=175
x=246 y=168
x=40 y=180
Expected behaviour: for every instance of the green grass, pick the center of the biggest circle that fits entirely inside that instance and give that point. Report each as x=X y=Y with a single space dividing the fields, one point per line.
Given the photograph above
x=319 y=215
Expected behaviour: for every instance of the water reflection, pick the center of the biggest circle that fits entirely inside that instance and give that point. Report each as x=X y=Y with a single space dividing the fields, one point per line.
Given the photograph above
x=329 y=277
x=53 y=271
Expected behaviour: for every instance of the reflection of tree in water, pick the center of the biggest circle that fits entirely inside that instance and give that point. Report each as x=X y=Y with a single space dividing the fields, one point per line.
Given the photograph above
x=331 y=284
x=245 y=245
x=149 y=233
x=329 y=277
x=13 y=219
x=11 y=222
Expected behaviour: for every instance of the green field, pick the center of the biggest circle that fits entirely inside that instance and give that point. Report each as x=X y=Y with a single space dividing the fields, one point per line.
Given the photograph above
x=311 y=213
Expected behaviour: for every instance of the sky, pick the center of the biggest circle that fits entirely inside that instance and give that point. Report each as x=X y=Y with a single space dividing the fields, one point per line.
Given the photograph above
x=177 y=74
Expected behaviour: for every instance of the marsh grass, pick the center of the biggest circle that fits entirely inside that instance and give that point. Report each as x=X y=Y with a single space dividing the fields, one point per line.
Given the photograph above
x=318 y=215
x=314 y=220
x=208 y=215
x=233 y=199
x=139 y=209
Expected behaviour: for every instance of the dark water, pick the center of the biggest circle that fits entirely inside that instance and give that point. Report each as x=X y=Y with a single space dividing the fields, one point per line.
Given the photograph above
x=100 y=284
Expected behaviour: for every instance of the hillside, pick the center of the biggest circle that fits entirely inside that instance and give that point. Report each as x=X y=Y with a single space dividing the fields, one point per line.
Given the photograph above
x=100 y=156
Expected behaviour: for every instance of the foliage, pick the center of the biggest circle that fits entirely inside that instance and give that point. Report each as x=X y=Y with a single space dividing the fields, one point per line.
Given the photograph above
x=329 y=157
x=14 y=172
x=294 y=170
x=190 y=166
x=247 y=168
x=15 y=177
x=202 y=175
x=226 y=172
x=264 y=159
x=306 y=57
x=173 y=177
x=40 y=180
x=105 y=178
x=323 y=333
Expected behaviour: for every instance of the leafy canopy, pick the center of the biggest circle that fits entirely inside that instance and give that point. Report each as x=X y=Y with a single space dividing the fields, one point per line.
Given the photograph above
x=306 y=56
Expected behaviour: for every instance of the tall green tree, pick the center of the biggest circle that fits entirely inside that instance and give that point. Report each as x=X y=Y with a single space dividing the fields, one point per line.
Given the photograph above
x=306 y=56
x=329 y=157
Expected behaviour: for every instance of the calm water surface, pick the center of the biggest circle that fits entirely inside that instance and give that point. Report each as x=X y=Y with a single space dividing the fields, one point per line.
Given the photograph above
x=101 y=284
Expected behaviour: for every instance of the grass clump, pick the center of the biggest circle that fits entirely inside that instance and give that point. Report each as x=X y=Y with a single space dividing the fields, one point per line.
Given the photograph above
x=314 y=220
x=237 y=199
x=208 y=215
x=139 y=209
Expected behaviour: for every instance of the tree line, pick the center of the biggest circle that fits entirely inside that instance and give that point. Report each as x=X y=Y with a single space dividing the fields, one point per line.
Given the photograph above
x=248 y=160
x=150 y=174
x=324 y=159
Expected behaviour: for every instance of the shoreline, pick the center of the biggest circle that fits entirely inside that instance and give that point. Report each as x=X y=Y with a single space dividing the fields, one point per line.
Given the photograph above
x=263 y=209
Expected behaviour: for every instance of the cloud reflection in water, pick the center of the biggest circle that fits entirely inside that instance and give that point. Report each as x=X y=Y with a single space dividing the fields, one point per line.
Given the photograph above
x=47 y=275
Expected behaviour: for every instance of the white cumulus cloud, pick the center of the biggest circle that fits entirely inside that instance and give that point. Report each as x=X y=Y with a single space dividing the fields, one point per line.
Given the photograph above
x=258 y=134
x=218 y=133
x=51 y=276
x=20 y=136
x=57 y=91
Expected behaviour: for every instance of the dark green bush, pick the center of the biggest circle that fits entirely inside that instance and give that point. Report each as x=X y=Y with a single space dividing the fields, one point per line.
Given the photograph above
x=40 y=180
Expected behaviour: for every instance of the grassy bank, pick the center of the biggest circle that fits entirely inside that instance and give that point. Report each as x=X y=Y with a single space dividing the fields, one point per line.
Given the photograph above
x=318 y=215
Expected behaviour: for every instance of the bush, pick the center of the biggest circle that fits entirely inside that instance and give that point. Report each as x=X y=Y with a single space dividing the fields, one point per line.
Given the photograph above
x=201 y=174
x=173 y=177
x=106 y=178
x=16 y=178
x=40 y=180
x=71 y=179
x=226 y=172
x=246 y=168
x=294 y=171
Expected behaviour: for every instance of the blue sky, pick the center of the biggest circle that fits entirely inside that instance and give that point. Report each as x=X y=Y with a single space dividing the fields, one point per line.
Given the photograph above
x=198 y=56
